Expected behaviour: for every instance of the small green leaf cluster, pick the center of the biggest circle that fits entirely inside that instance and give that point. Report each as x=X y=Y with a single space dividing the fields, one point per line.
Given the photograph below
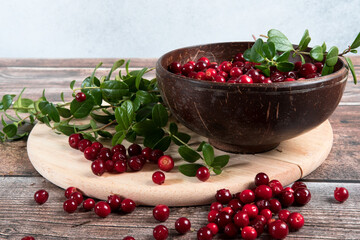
x=275 y=52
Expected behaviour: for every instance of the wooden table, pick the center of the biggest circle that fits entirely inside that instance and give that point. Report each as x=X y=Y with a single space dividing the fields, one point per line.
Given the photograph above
x=21 y=216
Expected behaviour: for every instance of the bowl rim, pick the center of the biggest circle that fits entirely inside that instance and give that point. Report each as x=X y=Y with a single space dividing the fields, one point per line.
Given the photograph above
x=323 y=80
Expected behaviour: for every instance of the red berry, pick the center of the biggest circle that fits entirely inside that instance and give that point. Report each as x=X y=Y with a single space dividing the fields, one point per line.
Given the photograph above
x=266 y=213
x=244 y=79
x=70 y=206
x=28 y=238
x=175 y=67
x=225 y=66
x=187 y=68
x=128 y=238
x=158 y=177
x=230 y=230
x=298 y=184
x=295 y=221
x=120 y=166
x=114 y=202
x=248 y=233
x=297 y=65
x=118 y=156
x=254 y=75
x=287 y=199
x=235 y=72
x=302 y=196
x=90 y=153
x=306 y=69
x=213 y=228
x=161 y=212
x=289 y=79
x=251 y=210
x=223 y=219
x=278 y=229
x=102 y=209
x=83 y=144
x=235 y=204
x=69 y=191
x=98 y=167
x=216 y=206
x=241 y=219
x=160 y=232
x=200 y=76
x=210 y=74
x=97 y=145
x=262 y=204
x=166 y=163
x=203 y=173
x=277 y=77
x=341 y=194
x=275 y=205
x=266 y=80
x=200 y=66
x=212 y=215
x=247 y=196
x=104 y=154
x=41 y=196
x=182 y=225
x=146 y=152
x=204 y=59
x=258 y=224
x=109 y=165
x=239 y=57
x=74 y=140
x=288 y=189
x=229 y=210
x=261 y=179
x=276 y=187
x=134 y=149
x=89 y=204
x=136 y=163
x=284 y=215
x=155 y=155
x=319 y=66
x=223 y=74
x=118 y=148
x=80 y=97
x=220 y=79
x=128 y=205
x=223 y=196
x=263 y=192
x=204 y=233
x=78 y=197
x=213 y=65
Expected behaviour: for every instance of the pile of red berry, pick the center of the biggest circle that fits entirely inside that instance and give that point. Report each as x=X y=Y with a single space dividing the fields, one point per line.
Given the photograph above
x=240 y=71
x=253 y=211
x=115 y=160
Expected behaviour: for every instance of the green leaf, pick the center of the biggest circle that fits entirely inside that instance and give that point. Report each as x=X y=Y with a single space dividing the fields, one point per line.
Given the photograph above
x=317 y=54
x=281 y=42
x=144 y=112
x=188 y=154
x=127 y=66
x=326 y=70
x=159 y=115
x=257 y=55
x=105 y=134
x=25 y=104
x=144 y=97
x=208 y=153
x=153 y=138
x=352 y=69
x=163 y=144
x=93 y=91
x=124 y=115
x=130 y=136
x=332 y=56
x=115 y=66
x=64 y=112
x=323 y=46
x=128 y=108
x=118 y=138
x=10 y=130
x=72 y=84
x=217 y=171
x=93 y=124
x=113 y=91
x=284 y=57
x=105 y=119
x=285 y=66
x=144 y=128
x=264 y=69
x=269 y=50
x=7 y=101
x=93 y=73
x=62 y=96
x=353 y=51
x=182 y=136
x=173 y=128
x=305 y=40
x=199 y=149
x=189 y=169
x=356 y=42
x=247 y=54
x=89 y=137
x=3 y=121
x=302 y=59
x=82 y=109
x=49 y=109
x=139 y=77
x=221 y=161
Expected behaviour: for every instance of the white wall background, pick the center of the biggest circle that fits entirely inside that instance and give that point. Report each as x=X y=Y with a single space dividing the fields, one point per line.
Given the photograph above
x=149 y=28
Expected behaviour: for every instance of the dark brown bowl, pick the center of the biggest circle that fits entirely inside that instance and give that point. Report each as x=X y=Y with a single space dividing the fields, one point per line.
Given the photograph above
x=246 y=118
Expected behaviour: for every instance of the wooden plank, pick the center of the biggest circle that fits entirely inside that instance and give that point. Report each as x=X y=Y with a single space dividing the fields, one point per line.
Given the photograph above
x=73 y=62
x=20 y=215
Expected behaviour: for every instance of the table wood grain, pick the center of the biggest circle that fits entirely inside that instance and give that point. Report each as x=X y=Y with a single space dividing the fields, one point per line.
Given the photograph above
x=20 y=215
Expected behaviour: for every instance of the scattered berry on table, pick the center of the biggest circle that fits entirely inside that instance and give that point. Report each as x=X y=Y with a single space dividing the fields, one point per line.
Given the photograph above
x=203 y=173
x=102 y=209
x=182 y=225
x=41 y=196
x=161 y=212
x=158 y=177
x=70 y=206
x=89 y=204
x=128 y=205
x=160 y=232
x=341 y=194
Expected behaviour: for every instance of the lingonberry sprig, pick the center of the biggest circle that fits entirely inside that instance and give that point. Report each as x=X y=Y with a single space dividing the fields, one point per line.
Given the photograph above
x=129 y=102
x=277 y=49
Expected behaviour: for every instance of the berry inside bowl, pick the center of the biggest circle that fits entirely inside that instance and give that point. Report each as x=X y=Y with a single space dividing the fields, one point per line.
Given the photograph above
x=241 y=117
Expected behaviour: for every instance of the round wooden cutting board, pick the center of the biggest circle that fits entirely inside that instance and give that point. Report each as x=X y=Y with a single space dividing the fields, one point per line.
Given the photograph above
x=56 y=161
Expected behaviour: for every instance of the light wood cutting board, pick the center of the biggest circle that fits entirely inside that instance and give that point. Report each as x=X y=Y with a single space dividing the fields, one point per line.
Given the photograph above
x=53 y=158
